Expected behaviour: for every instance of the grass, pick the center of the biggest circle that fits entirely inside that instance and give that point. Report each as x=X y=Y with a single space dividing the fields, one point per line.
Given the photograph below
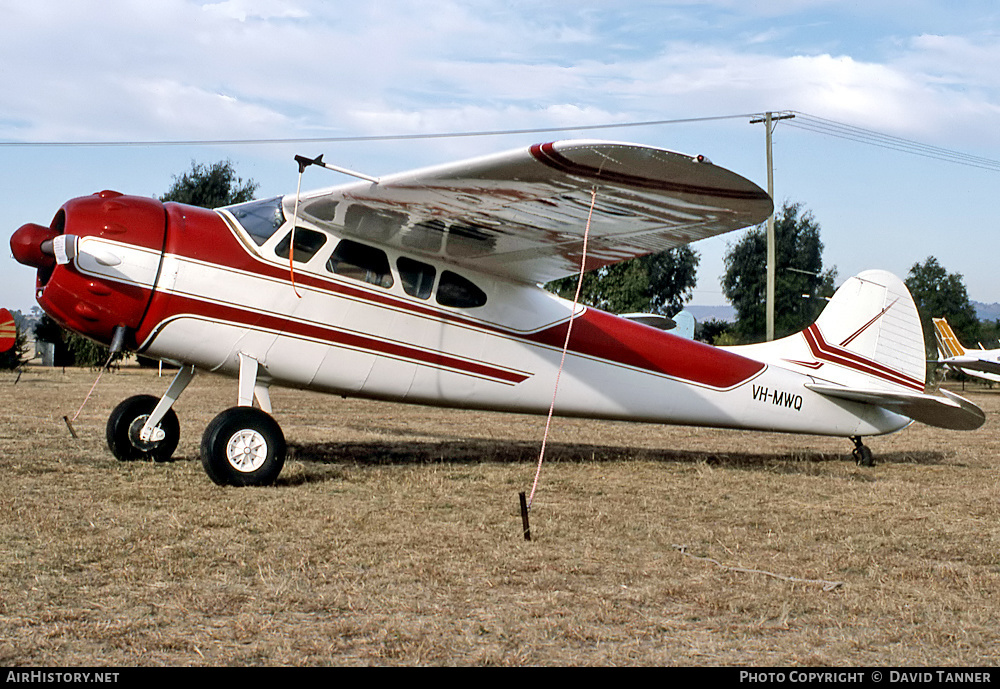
x=393 y=537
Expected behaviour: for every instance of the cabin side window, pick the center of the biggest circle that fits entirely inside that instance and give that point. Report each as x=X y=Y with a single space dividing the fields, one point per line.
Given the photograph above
x=417 y=277
x=360 y=262
x=307 y=243
x=459 y=292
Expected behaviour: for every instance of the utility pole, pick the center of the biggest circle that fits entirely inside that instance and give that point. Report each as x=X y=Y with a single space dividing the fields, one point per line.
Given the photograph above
x=769 y=120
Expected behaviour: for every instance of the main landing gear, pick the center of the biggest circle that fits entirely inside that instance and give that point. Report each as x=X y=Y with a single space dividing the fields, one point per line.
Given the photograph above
x=862 y=453
x=242 y=446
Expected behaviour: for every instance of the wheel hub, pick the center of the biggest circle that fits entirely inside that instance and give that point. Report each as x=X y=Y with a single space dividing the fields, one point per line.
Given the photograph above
x=246 y=451
x=135 y=437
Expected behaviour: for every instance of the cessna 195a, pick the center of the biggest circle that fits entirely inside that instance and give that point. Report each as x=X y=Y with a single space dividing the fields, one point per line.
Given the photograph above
x=424 y=287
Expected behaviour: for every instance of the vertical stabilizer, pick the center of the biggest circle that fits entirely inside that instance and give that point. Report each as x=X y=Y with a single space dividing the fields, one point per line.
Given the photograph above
x=869 y=336
x=947 y=342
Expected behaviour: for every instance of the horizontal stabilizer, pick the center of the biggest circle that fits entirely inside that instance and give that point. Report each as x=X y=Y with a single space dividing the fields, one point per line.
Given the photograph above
x=943 y=410
x=972 y=363
x=654 y=320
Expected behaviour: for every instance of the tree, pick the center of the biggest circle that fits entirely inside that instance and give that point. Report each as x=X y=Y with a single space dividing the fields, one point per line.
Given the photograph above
x=938 y=293
x=210 y=186
x=715 y=332
x=658 y=283
x=800 y=282
x=47 y=330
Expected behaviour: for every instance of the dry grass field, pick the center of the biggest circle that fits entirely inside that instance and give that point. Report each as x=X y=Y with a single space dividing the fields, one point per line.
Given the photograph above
x=393 y=537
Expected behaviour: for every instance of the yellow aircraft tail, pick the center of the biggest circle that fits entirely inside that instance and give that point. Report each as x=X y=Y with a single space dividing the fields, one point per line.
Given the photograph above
x=947 y=343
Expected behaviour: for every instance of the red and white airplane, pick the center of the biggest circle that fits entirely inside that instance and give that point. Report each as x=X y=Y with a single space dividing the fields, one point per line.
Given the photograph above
x=425 y=287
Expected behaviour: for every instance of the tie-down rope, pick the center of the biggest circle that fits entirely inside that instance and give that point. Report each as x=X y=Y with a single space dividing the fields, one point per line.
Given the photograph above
x=562 y=361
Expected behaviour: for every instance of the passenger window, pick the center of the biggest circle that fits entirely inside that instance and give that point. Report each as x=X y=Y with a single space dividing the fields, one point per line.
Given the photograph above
x=307 y=243
x=360 y=262
x=417 y=277
x=455 y=290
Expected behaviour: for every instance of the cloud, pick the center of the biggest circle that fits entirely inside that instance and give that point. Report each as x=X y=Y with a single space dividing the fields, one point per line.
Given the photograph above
x=241 y=10
x=281 y=68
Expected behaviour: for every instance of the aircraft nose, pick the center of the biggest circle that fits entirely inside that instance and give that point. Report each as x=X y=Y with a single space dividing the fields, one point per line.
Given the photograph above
x=31 y=245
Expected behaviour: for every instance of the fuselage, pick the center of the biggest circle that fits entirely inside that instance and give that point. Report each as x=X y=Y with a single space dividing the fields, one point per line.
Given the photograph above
x=357 y=318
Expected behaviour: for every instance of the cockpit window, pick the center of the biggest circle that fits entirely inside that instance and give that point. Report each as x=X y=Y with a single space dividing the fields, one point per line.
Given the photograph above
x=455 y=290
x=360 y=262
x=307 y=243
x=260 y=219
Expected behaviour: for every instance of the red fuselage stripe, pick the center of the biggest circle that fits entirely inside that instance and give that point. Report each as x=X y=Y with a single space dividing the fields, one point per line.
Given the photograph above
x=186 y=306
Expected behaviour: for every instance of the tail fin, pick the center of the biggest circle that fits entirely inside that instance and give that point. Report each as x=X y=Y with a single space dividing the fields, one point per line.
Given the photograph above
x=685 y=325
x=867 y=346
x=871 y=335
x=947 y=343
x=868 y=336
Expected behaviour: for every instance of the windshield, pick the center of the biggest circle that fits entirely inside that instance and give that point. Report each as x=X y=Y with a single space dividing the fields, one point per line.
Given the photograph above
x=260 y=219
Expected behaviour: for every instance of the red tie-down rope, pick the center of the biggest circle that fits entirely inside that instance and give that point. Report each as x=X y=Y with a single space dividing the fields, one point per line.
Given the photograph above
x=562 y=361
x=291 y=237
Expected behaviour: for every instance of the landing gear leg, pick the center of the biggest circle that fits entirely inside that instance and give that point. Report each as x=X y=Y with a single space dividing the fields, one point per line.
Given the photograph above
x=244 y=446
x=143 y=427
x=862 y=453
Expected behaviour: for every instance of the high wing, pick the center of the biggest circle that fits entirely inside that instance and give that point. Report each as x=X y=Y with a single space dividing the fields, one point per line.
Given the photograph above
x=522 y=214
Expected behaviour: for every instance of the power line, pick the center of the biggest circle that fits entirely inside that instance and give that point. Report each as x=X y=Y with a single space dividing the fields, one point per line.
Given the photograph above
x=803 y=121
x=349 y=139
x=870 y=137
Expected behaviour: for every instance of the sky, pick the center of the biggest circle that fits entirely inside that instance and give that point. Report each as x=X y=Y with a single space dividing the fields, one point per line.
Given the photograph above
x=117 y=94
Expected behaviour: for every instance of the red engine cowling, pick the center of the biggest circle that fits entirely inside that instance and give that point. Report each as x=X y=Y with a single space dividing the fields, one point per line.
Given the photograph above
x=92 y=303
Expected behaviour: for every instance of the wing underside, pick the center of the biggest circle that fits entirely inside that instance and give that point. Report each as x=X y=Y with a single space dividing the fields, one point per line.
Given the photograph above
x=522 y=214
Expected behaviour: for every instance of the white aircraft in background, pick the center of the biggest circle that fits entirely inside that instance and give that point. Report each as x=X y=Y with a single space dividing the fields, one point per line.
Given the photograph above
x=981 y=363
x=426 y=287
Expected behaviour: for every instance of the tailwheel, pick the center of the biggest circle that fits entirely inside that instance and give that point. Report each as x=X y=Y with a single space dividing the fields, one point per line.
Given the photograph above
x=125 y=425
x=862 y=453
x=243 y=446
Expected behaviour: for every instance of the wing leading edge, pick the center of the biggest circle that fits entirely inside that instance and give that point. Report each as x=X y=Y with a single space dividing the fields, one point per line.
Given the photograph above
x=522 y=214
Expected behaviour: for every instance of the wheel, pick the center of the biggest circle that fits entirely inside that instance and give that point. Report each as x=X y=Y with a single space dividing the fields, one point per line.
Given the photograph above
x=127 y=420
x=863 y=456
x=243 y=446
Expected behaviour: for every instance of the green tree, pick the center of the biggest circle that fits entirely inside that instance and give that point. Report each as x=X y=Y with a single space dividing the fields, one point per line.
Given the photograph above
x=800 y=282
x=938 y=293
x=715 y=332
x=210 y=186
x=989 y=333
x=72 y=349
x=658 y=283
x=47 y=330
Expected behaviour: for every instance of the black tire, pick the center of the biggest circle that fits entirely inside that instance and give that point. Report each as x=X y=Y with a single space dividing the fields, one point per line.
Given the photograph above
x=127 y=420
x=243 y=446
x=863 y=456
